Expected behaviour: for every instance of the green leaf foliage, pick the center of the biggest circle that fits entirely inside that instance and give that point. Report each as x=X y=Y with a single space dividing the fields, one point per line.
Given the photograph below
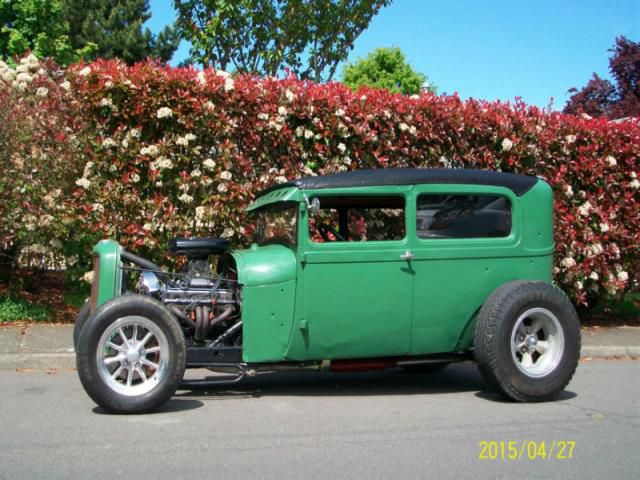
x=385 y=68
x=70 y=30
x=36 y=25
x=14 y=310
x=306 y=37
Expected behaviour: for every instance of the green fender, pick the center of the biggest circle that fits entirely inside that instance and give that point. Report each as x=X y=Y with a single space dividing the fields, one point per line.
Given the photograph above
x=268 y=278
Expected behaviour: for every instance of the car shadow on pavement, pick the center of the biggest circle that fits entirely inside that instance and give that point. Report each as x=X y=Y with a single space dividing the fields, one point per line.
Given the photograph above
x=463 y=377
x=173 y=405
x=494 y=396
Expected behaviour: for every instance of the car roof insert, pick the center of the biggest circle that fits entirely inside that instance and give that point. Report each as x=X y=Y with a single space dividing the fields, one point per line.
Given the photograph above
x=519 y=184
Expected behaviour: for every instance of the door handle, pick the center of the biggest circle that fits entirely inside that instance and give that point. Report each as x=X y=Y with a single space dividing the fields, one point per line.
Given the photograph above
x=408 y=256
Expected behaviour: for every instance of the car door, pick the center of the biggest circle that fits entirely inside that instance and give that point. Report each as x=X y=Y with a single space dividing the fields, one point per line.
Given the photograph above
x=355 y=291
x=466 y=243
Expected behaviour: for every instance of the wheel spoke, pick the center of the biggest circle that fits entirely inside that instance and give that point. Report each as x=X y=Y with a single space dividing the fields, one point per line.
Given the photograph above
x=527 y=360
x=134 y=337
x=122 y=335
x=542 y=346
x=118 y=371
x=116 y=358
x=149 y=363
x=129 y=375
x=146 y=338
x=152 y=349
x=116 y=347
x=142 y=374
x=521 y=331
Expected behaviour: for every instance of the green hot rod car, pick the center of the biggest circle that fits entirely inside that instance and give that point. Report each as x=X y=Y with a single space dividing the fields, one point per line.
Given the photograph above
x=363 y=270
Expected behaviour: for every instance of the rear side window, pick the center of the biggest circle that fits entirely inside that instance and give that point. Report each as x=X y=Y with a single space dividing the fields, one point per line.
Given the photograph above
x=463 y=216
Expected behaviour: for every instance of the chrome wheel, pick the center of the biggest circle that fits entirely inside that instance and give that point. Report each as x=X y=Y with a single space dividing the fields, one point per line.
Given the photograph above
x=537 y=342
x=132 y=355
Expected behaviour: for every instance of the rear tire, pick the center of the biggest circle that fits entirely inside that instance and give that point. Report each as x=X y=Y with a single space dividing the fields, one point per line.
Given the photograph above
x=131 y=355
x=527 y=341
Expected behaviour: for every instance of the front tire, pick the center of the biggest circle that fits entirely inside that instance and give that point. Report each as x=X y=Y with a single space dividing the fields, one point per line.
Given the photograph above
x=527 y=341
x=131 y=355
x=81 y=320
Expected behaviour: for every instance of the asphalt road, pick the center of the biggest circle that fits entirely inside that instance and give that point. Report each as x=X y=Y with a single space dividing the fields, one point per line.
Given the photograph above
x=301 y=426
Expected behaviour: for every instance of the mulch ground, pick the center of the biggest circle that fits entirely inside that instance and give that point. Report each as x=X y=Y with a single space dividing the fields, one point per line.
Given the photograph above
x=45 y=288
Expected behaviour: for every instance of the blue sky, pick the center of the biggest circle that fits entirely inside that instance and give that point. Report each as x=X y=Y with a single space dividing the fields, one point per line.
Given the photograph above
x=492 y=49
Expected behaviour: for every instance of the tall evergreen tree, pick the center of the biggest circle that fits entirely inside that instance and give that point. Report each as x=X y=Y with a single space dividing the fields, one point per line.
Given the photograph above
x=114 y=28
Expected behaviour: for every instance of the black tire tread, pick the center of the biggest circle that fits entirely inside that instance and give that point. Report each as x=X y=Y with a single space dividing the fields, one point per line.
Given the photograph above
x=81 y=320
x=486 y=336
x=87 y=342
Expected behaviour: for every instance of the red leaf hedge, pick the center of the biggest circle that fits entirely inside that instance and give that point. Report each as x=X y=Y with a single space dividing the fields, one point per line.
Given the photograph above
x=168 y=151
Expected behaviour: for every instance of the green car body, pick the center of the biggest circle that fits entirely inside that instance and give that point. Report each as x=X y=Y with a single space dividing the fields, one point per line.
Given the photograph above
x=412 y=296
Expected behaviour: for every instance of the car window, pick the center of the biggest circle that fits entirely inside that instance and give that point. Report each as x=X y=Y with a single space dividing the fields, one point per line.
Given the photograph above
x=359 y=218
x=463 y=216
x=276 y=224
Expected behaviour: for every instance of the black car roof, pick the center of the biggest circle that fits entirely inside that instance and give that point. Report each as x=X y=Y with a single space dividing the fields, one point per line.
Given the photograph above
x=519 y=184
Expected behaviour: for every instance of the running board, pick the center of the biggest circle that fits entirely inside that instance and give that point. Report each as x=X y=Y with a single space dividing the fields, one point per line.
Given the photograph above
x=241 y=372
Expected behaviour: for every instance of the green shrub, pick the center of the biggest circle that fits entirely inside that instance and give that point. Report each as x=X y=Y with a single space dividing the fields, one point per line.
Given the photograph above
x=14 y=310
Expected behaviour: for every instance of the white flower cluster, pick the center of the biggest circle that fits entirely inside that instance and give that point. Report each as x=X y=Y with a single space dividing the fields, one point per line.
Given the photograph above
x=23 y=75
x=568 y=262
x=7 y=74
x=108 y=143
x=585 y=209
x=162 y=163
x=185 y=198
x=164 y=112
x=209 y=164
x=568 y=191
x=612 y=161
x=151 y=150
x=289 y=96
x=83 y=182
x=507 y=145
x=184 y=141
x=594 y=250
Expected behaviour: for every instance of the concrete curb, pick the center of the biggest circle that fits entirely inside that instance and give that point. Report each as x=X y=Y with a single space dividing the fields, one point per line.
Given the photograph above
x=602 y=351
x=52 y=361
x=37 y=361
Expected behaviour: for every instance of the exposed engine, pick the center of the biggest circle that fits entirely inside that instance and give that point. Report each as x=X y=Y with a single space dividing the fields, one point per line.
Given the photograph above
x=207 y=304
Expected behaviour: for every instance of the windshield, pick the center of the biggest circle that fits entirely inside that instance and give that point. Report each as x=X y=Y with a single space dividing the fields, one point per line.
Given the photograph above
x=277 y=224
